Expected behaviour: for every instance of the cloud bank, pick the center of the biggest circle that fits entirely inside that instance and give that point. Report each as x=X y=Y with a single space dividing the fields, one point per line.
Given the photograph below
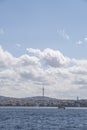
x=23 y=76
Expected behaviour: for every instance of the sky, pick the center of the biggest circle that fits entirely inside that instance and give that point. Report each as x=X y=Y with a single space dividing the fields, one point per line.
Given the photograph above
x=43 y=42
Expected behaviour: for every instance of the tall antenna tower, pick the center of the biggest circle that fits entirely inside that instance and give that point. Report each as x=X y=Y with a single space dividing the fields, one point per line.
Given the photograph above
x=43 y=91
x=77 y=98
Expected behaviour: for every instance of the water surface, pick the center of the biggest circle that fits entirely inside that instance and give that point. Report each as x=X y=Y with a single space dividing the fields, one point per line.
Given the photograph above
x=24 y=118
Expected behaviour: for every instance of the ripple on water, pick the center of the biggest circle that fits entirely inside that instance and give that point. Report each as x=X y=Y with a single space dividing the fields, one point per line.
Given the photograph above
x=42 y=119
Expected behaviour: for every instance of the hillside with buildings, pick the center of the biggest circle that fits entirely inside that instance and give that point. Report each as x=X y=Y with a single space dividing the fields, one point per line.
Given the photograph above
x=41 y=101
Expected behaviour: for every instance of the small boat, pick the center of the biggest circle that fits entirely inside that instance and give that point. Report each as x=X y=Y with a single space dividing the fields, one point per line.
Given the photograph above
x=61 y=107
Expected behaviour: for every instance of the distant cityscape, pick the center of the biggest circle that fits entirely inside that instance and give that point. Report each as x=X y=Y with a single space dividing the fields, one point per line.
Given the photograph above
x=42 y=101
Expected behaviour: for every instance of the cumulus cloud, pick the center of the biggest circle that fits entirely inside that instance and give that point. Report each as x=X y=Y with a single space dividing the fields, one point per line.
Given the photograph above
x=53 y=58
x=6 y=59
x=80 y=42
x=23 y=76
x=63 y=34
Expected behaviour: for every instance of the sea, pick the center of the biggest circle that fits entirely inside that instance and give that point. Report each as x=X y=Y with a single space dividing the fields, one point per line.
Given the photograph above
x=36 y=118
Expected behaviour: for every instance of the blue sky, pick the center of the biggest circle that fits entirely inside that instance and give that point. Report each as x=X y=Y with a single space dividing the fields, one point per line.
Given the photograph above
x=40 y=24
x=43 y=41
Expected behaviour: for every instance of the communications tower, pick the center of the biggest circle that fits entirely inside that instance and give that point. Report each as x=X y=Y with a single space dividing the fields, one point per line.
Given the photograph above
x=43 y=91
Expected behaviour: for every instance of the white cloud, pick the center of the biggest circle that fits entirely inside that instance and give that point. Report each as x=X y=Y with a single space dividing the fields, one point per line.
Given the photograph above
x=6 y=59
x=85 y=39
x=23 y=76
x=63 y=34
x=34 y=51
x=53 y=58
x=79 y=42
x=18 y=45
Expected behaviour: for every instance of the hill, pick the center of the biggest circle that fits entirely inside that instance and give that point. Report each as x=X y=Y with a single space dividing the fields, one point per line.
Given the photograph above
x=41 y=101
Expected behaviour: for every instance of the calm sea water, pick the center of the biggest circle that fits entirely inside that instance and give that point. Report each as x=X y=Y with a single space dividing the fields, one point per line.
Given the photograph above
x=24 y=118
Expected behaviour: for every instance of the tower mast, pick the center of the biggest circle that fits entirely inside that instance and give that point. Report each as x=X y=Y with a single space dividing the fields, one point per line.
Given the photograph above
x=43 y=91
